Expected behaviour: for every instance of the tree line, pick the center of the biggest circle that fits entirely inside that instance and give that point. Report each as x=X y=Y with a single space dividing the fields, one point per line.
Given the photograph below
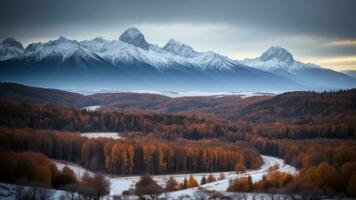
x=136 y=156
x=310 y=182
x=22 y=115
x=168 y=126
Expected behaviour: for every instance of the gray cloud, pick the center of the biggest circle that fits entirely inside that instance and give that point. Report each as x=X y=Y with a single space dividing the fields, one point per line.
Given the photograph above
x=326 y=17
x=248 y=25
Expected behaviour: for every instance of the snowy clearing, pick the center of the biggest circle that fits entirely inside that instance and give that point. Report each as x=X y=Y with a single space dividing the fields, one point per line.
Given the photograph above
x=112 y=135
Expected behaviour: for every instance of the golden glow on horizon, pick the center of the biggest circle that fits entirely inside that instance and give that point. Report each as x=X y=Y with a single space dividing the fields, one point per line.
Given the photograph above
x=336 y=63
x=342 y=43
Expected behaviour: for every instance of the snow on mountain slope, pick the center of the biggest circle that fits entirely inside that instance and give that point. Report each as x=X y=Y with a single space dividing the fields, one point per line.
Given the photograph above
x=277 y=58
x=211 y=60
x=203 y=60
x=351 y=73
x=279 y=61
x=62 y=48
x=117 y=52
x=10 y=48
x=95 y=44
x=180 y=49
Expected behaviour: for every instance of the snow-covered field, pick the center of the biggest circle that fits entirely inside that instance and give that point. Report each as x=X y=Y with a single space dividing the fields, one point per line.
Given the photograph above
x=243 y=94
x=120 y=184
x=8 y=192
x=112 y=135
x=172 y=94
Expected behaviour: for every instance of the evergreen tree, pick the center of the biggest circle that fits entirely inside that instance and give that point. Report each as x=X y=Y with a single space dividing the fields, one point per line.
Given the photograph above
x=203 y=181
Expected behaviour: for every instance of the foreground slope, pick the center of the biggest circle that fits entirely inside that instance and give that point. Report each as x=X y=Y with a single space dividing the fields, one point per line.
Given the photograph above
x=18 y=92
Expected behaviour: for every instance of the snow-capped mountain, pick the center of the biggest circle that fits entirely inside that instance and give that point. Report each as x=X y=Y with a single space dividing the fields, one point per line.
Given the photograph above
x=279 y=61
x=276 y=59
x=62 y=47
x=10 y=48
x=130 y=62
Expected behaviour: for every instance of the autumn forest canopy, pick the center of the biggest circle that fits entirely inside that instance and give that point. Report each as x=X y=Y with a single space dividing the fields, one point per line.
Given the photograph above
x=314 y=132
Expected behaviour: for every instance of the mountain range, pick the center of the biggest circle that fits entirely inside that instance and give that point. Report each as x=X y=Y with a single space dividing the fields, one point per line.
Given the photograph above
x=132 y=63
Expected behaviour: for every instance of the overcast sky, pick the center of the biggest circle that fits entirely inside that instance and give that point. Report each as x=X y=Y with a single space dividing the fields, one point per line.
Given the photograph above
x=318 y=31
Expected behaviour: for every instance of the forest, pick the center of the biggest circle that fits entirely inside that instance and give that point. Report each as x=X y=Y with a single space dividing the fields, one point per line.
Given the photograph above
x=126 y=157
x=316 y=141
x=326 y=166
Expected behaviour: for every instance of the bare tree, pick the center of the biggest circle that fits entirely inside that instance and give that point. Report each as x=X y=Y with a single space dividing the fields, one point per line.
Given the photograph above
x=147 y=186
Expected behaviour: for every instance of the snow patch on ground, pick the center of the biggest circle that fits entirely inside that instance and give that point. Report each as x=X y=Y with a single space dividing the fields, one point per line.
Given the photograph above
x=92 y=108
x=112 y=135
x=78 y=170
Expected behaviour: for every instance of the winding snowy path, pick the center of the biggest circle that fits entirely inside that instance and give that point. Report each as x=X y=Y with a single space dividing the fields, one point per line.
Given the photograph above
x=120 y=184
x=256 y=175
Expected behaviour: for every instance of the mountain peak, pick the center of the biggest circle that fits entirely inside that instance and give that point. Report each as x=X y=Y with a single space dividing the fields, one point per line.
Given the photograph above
x=63 y=39
x=179 y=48
x=11 y=42
x=174 y=42
x=135 y=37
x=278 y=53
x=99 y=39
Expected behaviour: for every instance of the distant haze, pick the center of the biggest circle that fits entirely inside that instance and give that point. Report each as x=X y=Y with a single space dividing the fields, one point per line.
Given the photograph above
x=318 y=31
